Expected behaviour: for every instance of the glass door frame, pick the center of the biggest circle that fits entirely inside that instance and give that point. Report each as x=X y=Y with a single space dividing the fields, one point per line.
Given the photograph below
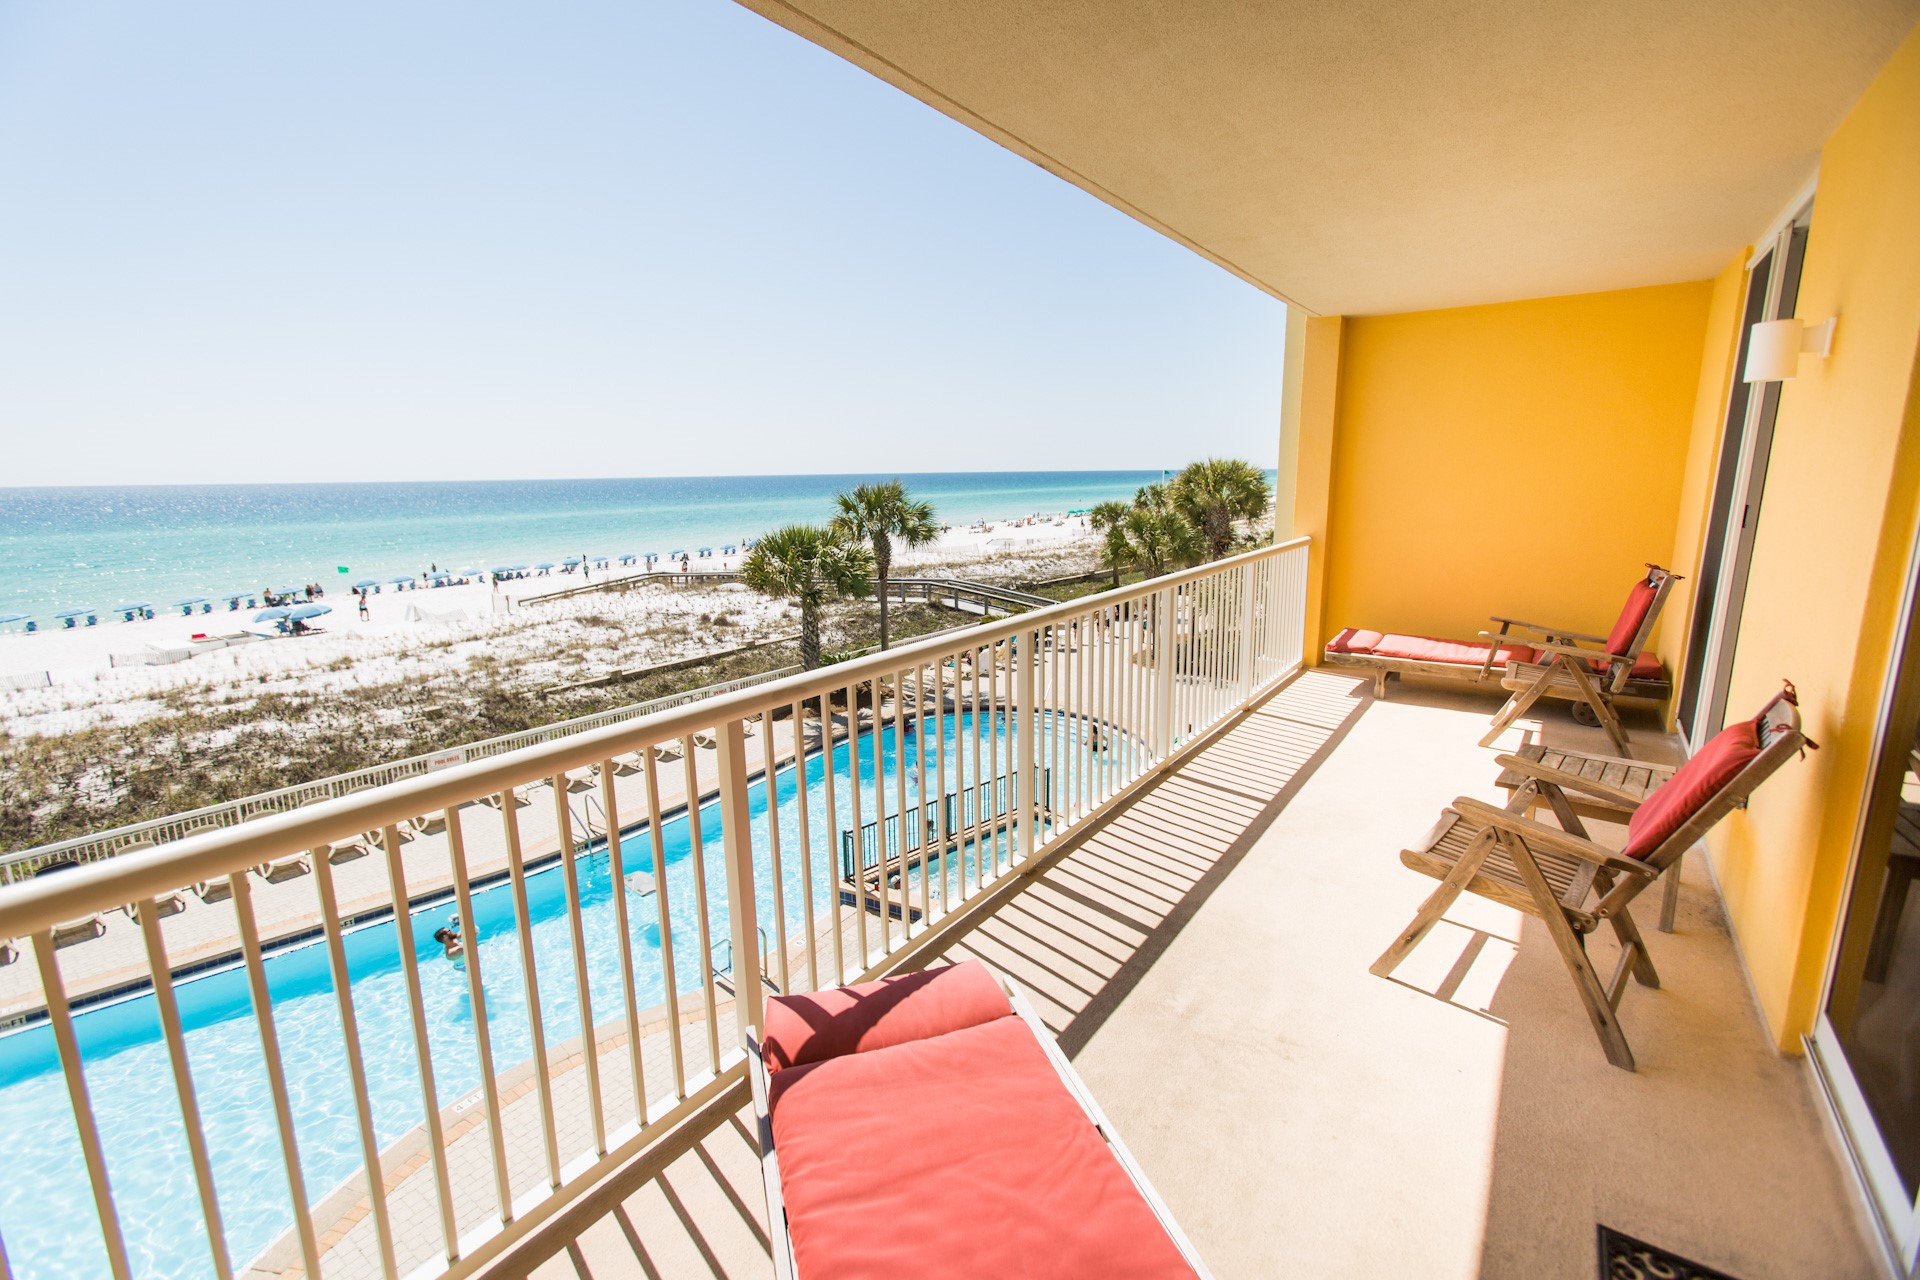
x=1737 y=498
x=1895 y=1210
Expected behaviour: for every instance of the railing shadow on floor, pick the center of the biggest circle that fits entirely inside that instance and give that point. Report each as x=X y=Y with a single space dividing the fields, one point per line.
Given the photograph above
x=1078 y=939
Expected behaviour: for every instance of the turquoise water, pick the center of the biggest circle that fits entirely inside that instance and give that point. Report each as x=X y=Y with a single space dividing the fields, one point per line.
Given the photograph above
x=47 y=1220
x=71 y=547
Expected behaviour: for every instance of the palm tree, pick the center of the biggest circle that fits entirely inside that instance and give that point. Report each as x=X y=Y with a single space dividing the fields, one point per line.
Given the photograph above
x=1214 y=493
x=1159 y=538
x=808 y=564
x=1107 y=519
x=879 y=514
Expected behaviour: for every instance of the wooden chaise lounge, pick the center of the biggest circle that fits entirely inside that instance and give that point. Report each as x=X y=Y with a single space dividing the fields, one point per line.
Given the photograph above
x=927 y=1125
x=1573 y=885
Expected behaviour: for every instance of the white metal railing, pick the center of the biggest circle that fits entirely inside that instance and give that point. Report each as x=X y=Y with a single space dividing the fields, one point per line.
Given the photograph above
x=600 y=999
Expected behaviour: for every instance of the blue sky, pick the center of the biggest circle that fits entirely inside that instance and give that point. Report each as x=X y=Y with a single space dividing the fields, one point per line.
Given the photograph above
x=255 y=242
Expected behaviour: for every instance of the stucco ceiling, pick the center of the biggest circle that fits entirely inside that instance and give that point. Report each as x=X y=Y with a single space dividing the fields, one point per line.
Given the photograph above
x=1405 y=154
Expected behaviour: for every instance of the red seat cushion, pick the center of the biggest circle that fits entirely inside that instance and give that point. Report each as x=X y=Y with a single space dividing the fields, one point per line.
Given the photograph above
x=910 y=1006
x=962 y=1155
x=1460 y=653
x=1646 y=666
x=1691 y=787
x=1639 y=601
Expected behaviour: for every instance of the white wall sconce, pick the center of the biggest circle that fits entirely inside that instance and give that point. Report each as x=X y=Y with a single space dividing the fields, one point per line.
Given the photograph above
x=1774 y=348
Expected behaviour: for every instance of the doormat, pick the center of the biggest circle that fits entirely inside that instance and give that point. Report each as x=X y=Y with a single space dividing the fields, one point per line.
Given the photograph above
x=1624 y=1258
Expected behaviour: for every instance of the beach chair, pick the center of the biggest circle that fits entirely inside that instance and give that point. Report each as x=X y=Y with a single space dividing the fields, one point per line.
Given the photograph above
x=705 y=738
x=68 y=935
x=284 y=870
x=669 y=750
x=1572 y=885
x=428 y=824
x=212 y=891
x=626 y=766
x=170 y=905
x=849 y=1143
x=1583 y=669
x=8 y=953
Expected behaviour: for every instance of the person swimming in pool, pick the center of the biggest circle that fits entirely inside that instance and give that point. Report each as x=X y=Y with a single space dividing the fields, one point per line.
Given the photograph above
x=448 y=936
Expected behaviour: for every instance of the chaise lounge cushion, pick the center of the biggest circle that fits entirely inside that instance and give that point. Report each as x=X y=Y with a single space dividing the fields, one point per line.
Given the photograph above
x=910 y=1006
x=1461 y=653
x=1694 y=784
x=962 y=1155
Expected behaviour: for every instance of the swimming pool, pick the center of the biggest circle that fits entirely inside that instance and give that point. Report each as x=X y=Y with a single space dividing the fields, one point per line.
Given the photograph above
x=47 y=1219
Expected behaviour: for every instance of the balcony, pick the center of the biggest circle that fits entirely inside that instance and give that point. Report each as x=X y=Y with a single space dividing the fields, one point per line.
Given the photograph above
x=1180 y=843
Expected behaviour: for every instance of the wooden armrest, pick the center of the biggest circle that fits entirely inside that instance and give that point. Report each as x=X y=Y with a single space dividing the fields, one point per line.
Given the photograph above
x=1569 y=781
x=1561 y=632
x=1553 y=838
x=1575 y=651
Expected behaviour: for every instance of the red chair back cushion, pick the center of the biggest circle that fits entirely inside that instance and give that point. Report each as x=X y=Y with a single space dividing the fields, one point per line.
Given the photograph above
x=911 y=1006
x=1639 y=603
x=1691 y=787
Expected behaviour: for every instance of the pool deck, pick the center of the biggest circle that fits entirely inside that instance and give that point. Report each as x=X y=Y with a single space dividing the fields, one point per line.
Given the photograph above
x=1203 y=957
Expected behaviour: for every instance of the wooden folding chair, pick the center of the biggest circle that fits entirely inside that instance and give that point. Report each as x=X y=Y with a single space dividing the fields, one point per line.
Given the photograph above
x=1571 y=884
x=1586 y=670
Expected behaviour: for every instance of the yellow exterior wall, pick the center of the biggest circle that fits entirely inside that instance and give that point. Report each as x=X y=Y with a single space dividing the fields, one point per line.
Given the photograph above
x=1313 y=473
x=1522 y=458
x=1703 y=460
x=1832 y=547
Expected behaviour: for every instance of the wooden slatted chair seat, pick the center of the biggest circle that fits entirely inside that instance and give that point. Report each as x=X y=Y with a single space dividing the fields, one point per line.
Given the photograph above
x=1560 y=876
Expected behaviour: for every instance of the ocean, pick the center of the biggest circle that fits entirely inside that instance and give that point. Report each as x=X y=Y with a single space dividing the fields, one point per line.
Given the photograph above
x=68 y=548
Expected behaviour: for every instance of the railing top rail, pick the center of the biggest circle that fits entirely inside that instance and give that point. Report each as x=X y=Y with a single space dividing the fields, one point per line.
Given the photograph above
x=46 y=901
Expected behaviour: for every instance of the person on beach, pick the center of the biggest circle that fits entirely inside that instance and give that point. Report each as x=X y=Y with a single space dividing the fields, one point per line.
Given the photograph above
x=452 y=946
x=363 y=605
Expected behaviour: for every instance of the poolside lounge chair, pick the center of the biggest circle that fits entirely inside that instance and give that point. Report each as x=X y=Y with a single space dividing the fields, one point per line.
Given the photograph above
x=627 y=765
x=429 y=824
x=8 y=953
x=705 y=738
x=284 y=870
x=851 y=1150
x=1571 y=884
x=1567 y=667
x=669 y=750
x=170 y=905
x=79 y=931
x=212 y=891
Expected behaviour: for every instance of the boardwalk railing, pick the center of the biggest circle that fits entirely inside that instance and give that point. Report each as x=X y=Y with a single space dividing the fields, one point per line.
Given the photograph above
x=353 y=1102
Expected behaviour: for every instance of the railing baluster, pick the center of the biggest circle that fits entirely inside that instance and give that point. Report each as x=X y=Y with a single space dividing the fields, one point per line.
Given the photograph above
x=276 y=1071
x=736 y=835
x=1163 y=671
x=833 y=851
x=630 y=1005
x=477 y=997
x=771 y=791
x=702 y=922
x=806 y=841
x=167 y=1005
x=921 y=825
x=947 y=897
x=670 y=987
x=1025 y=840
x=902 y=720
x=60 y=1017
x=356 y=1062
x=583 y=987
x=523 y=923
x=970 y=794
x=880 y=813
x=422 y=1046
x=859 y=836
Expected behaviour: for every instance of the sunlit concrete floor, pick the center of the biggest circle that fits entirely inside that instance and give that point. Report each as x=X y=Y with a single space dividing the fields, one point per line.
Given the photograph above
x=1203 y=959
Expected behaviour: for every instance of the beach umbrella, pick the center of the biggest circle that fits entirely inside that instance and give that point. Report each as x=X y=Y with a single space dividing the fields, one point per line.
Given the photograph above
x=366 y=582
x=706 y=551
x=469 y=573
x=676 y=553
x=405 y=577
x=132 y=604
x=274 y=614
x=181 y=604
x=301 y=613
x=74 y=613
x=519 y=568
x=627 y=557
x=6 y=618
x=728 y=550
x=237 y=595
x=572 y=560
x=544 y=564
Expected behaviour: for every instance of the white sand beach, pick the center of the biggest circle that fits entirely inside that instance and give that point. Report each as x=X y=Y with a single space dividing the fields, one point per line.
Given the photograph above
x=62 y=680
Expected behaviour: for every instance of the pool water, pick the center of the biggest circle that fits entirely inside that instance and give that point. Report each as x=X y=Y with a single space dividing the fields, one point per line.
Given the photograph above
x=47 y=1219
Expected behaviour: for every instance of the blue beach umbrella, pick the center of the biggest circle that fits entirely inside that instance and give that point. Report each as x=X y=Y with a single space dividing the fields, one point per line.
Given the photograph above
x=405 y=577
x=366 y=582
x=274 y=614
x=627 y=557
x=544 y=564
x=573 y=560
x=302 y=612
x=132 y=604
x=181 y=604
x=7 y=618
x=74 y=613
x=676 y=553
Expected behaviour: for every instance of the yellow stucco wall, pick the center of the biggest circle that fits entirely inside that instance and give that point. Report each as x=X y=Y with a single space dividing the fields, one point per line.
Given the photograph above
x=1832 y=547
x=1522 y=458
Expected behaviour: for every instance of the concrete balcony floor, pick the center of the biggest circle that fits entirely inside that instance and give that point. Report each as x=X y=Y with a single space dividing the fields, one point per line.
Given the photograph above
x=1203 y=959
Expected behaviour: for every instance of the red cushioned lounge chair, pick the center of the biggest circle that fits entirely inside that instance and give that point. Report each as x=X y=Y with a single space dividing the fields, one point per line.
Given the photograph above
x=926 y=1125
x=1572 y=884
x=1588 y=671
x=1634 y=673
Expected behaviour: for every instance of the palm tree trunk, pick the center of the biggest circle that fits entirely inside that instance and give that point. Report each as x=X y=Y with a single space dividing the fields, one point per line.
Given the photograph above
x=882 y=576
x=809 y=635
